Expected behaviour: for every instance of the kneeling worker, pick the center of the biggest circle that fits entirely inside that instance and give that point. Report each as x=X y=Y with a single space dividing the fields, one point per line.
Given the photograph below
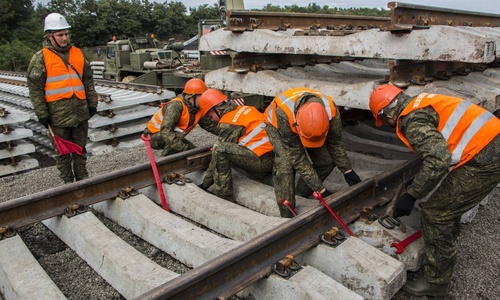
x=176 y=118
x=243 y=142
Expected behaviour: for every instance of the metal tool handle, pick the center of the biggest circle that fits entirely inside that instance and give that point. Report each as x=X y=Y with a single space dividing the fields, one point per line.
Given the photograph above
x=146 y=139
x=320 y=198
x=289 y=205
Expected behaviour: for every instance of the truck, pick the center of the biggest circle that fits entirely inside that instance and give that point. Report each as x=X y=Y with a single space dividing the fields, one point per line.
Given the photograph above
x=147 y=61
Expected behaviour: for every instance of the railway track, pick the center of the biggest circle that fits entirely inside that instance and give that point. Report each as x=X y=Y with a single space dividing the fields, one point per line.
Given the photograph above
x=108 y=237
x=251 y=228
x=206 y=247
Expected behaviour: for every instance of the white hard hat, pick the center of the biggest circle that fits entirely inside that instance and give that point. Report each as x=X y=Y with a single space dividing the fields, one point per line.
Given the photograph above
x=55 y=22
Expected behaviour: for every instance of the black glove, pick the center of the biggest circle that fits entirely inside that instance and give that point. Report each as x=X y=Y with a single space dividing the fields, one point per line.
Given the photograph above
x=352 y=178
x=92 y=111
x=44 y=121
x=403 y=205
x=326 y=193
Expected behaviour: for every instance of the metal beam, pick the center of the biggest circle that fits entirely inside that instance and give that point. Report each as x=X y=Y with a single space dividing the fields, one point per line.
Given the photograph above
x=404 y=15
x=33 y=208
x=228 y=274
x=238 y=21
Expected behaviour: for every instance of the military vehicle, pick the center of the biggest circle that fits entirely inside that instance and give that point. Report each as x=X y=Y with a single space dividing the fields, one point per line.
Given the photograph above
x=147 y=61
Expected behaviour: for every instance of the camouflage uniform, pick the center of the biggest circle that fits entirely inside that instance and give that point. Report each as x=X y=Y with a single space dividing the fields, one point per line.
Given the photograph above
x=226 y=152
x=68 y=117
x=313 y=164
x=460 y=190
x=171 y=141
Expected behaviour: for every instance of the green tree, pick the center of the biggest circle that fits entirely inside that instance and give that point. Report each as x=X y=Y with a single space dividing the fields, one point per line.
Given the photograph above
x=204 y=12
x=13 y=13
x=15 y=56
x=172 y=21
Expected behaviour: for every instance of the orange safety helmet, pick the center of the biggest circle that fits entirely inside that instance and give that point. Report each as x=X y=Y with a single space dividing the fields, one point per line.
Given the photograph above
x=380 y=98
x=211 y=98
x=312 y=124
x=195 y=86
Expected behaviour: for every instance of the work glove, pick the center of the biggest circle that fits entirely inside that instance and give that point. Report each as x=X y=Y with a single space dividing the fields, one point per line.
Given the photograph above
x=403 y=205
x=44 y=121
x=352 y=178
x=92 y=111
x=326 y=193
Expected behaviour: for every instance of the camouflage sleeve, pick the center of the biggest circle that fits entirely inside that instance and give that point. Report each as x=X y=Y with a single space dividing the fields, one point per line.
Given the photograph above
x=230 y=133
x=335 y=145
x=297 y=152
x=211 y=126
x=36 y=77
x=88 y=83
x=172 y=113
x=420 y=128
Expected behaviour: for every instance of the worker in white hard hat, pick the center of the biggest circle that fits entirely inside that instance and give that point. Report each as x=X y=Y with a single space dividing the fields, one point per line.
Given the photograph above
x=62 y=92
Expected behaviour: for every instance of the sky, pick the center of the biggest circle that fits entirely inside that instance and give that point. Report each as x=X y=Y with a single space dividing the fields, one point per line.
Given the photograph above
x=487 y=6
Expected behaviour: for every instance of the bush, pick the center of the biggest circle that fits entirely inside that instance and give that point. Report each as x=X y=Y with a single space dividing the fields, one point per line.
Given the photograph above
x=15 y=56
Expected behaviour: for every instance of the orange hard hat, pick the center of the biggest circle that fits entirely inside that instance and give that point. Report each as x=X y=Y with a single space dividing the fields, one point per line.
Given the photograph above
x=211 y=98
x=380 y=98
x=312 y=124
x=195 y=86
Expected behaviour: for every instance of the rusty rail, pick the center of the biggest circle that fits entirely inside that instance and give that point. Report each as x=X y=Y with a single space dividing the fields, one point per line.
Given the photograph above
x=228 y=274
x=404 y=17
x=33 y=208
x=250 y=20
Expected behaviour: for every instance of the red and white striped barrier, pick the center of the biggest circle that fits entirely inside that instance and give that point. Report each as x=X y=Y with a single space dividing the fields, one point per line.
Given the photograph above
x=218 y=52
x=239 y=101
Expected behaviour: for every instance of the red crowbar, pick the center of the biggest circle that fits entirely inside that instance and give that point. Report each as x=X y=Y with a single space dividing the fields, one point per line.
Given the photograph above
x=146 y=139
x=289 y=205
x=320 y=198
x=400 y=246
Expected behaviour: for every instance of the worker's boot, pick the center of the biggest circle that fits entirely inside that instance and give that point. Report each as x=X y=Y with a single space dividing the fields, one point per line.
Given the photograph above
x=229 y=198
x=422 y=287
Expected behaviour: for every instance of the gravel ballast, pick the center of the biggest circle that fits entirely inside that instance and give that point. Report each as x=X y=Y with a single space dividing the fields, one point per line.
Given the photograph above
x=475 y=276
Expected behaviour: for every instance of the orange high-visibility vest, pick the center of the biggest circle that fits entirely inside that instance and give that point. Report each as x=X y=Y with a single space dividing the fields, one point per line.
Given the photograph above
x=286 y=101
x=255 y=137
x=182 y=126
x=466 y=127
x=62 y=81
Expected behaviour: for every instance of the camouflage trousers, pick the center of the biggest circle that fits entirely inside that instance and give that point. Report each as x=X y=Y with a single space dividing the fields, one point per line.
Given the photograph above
x=461 y=190
x=73 y=167
x=158 y=143
x=228 y=155
x=284 y=173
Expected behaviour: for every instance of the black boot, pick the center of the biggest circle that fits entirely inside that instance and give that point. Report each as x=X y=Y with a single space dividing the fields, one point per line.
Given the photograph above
x=422 y=287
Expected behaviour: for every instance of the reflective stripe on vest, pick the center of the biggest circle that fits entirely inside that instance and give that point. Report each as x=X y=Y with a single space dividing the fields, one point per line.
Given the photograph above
x=62 y=81
x=466 y=127
x=286 y=101
x=255 y=137
x=182 y=125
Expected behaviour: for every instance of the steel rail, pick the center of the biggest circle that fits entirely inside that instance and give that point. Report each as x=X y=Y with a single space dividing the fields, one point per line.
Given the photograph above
x=403 y=17
x=29 y=209
x=419 y=15
x=250 y=20
x=231 y=272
